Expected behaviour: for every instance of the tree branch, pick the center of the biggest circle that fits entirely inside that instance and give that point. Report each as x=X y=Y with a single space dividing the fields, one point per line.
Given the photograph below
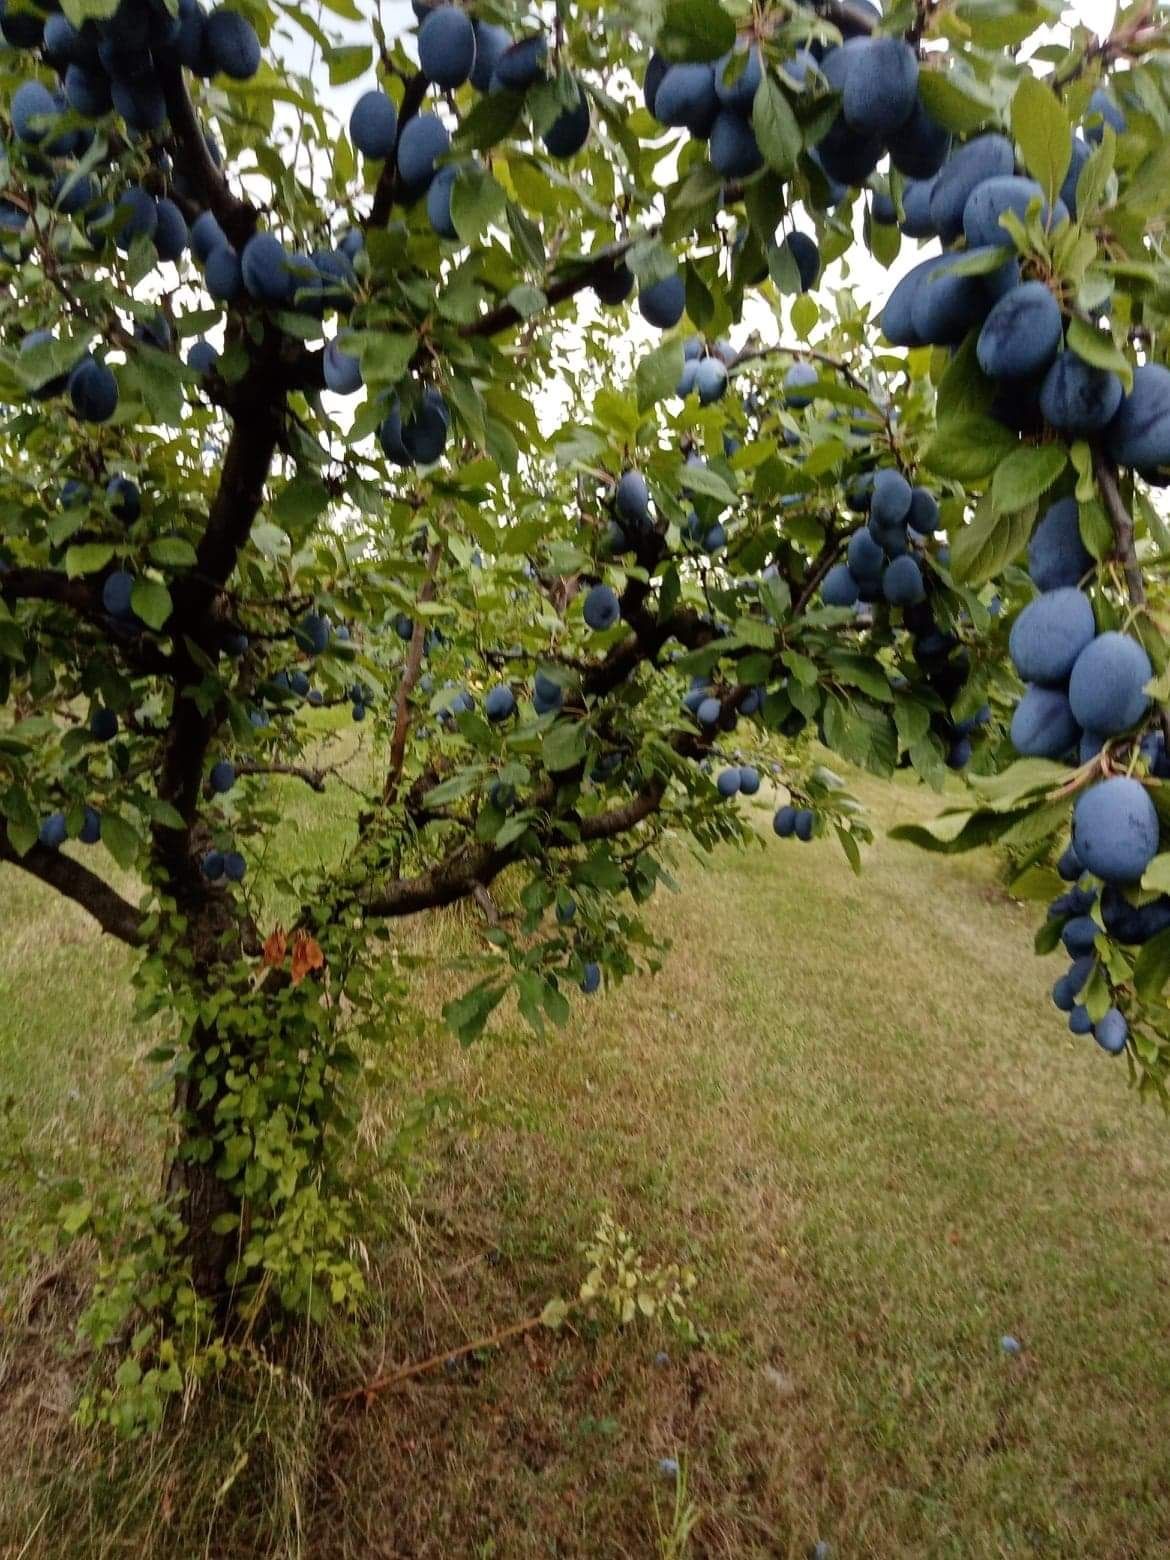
x=235 y=216
x=1122 y=522
x=80 y=596
x=315 y=778
x=582 y=274
x=114 y=915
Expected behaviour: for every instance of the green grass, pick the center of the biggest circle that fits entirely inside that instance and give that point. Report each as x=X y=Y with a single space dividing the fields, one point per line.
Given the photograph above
x=846 y=1102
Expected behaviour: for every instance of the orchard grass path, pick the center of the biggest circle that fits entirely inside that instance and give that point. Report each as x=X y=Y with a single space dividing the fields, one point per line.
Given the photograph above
x=846 y=1103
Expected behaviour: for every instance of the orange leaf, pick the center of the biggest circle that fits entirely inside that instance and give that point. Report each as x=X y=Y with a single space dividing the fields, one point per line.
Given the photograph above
x=307 y=956
x=276 y=947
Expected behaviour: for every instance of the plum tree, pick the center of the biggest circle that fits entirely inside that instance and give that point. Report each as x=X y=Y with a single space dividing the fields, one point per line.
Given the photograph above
x=357 y=454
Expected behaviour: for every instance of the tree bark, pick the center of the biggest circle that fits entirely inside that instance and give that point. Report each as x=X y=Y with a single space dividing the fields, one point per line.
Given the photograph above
x=199 y=1194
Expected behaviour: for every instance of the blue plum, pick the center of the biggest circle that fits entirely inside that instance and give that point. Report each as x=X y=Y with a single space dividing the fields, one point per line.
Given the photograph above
x=1106 y=689
x=602 y=608
x=1111 y=1031
x=231 y=44
x=986 y=157
x=570 y=129
x=1050 y=634
x=1115 y=829
x=687 y=99
x=839 y=588
x=902 y=583
x=1021 y=335
x=881 y=87
x=373 y=125
x=500 y=703
x=784 y=821
x=446 y=46
x=1057 y=557
x=1078 y=399
x=662 y=303
x=735 y=152
x=93 y=391
x=423 y=140
x=1139 y=435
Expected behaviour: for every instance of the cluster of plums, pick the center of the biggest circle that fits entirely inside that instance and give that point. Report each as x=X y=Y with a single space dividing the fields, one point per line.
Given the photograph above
x=120 y=64
x=1124 y=921
x=738 y=780
x=54 y=829
x=1083 y=687
x=454 y=48
x=798 y=821
x=90 y=385
x=974 y=285
x=705 y=369
x=879 y=559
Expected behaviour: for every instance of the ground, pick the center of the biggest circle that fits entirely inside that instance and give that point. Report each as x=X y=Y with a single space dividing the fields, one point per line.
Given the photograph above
x=845 y=1102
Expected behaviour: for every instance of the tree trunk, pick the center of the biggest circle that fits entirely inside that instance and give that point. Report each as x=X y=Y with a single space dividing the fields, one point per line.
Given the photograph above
x=199 y=1195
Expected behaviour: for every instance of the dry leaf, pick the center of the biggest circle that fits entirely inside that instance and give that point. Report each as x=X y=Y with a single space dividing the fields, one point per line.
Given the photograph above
x=275 y=948
x=307 y=956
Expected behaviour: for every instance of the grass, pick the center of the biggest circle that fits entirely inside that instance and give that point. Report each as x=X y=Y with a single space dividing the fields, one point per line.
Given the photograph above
x=847 y=1103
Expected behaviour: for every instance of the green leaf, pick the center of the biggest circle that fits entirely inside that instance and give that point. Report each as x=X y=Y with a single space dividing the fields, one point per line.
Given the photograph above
x=348 y=61
x=121 y=839
x=967 y=448
x=87 y=558
x=1025 y=474
x=563 y=746
x=477 y=200
x=980 y=549
x=468 y=1014
x=172 y=552
x=956 y=100
x=151 y=602
x=298 y=505
x=1040 y=125
x=775 y=126
x=658 y=373
x=384 y=355
x=527 y=300
x=694 y=30
x=1151 y=969
x=1098 y=348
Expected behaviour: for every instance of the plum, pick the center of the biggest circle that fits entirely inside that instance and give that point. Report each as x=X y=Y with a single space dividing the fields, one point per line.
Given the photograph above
x=881 y=87
x=373 y=125
x=986 y=157
x=1050 y=634
x=687 y=99
x=1056 y=555
x=902 y=583
x=422 y=141
x=1107 y=687
x=797 y=379
x=1043 y=725
x=839 y=588
x=446 y=46
x=1078 y=399
x=231 y=44
x=1115 y=829
x=1021 y=335
x=734 y=151
x=662 y=302
x=570 y=129
x=602 y=608
x=1139 y=435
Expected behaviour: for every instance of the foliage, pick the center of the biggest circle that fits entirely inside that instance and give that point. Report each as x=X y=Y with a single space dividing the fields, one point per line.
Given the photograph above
x=202 y=546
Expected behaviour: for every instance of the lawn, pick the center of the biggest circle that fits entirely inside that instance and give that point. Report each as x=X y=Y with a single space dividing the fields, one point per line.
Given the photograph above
x=846 y=1103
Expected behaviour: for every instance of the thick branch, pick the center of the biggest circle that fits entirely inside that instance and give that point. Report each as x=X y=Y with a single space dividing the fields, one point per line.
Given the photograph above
x=113 y=914
x=193 y=159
